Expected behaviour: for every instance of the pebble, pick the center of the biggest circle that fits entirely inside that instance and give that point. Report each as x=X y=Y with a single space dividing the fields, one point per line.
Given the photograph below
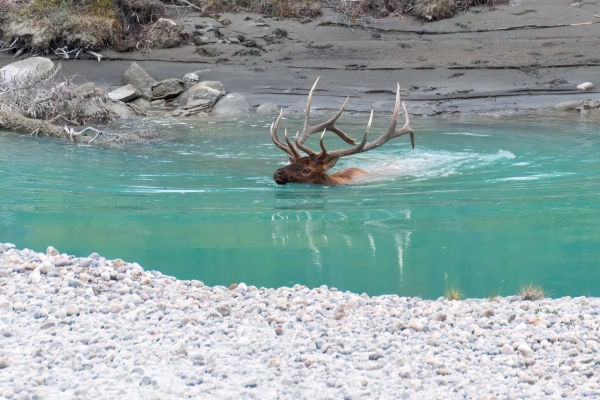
x=507 y=349
x=112 y=330
x=52 y=252
x=72 y=309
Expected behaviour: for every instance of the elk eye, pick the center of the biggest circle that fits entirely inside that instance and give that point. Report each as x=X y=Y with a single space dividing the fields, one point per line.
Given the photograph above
x=306 y=171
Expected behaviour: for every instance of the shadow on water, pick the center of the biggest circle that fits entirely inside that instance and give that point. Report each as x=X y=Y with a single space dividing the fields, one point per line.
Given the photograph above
x=484 y=199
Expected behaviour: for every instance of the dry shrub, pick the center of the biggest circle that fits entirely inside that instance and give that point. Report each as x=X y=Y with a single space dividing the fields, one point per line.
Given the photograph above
x=271 y=8
x=434 y=10
x=53 y=97
x=141 y=12
x=531 y=292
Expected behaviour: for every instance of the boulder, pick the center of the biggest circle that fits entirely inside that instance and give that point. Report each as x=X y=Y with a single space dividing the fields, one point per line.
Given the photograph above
x=36 y=67
x=139 y=79
x=120 y=110
x=141 y=102
x=213 y=84
x=268 y=108
x=201 y=92
x=585 y=86
x=233 y=103
x=193 y=107
x=125 y=93
x=158 y=103
x=167 y=89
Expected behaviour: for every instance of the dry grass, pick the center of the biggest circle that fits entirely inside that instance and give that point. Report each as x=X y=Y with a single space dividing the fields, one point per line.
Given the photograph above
x=271 y=8
x=51 y=24
x=531 y=292
x=493 y=296
x=451 y=293
x=434 y=10
x=424 y=10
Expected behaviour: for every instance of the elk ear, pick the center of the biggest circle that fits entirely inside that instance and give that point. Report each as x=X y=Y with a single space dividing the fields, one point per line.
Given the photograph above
x=327 y=165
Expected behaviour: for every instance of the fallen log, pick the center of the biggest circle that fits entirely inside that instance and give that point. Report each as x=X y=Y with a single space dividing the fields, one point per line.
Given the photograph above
x=13 y=121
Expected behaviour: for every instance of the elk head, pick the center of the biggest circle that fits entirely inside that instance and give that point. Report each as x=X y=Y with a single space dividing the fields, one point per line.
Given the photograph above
x=313 y=167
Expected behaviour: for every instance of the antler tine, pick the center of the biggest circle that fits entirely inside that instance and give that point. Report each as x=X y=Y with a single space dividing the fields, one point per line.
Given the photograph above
x=291 y=146
x=303 y=147
x=329 y=124
x=391 y=132
x=323 y=149
x=353 y=150
x=308 y=104
x=275 y=139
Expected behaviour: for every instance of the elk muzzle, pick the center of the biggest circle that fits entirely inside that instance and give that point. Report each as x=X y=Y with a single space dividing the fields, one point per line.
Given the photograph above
x=281 y=176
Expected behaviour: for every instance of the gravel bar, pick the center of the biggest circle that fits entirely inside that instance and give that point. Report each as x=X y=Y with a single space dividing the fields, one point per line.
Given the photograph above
x=92 y=328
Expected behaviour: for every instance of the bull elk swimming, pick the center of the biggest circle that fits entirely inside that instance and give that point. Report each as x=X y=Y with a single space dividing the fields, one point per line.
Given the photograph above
x=313 y=167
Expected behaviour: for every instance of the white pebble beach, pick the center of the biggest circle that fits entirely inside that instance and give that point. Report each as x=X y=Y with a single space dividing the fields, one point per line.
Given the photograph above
x=92 y=328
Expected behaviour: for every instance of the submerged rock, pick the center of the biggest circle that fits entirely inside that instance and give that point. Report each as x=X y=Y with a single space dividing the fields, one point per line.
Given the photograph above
x=193 y=107
x=267 y=108
x=567 y=105
x=233 y=103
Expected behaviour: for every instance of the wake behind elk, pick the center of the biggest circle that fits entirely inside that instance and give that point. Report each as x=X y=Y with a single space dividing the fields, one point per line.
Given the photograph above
x=313 y=167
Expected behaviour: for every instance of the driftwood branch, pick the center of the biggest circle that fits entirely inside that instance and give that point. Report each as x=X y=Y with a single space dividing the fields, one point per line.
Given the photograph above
x=72 y=134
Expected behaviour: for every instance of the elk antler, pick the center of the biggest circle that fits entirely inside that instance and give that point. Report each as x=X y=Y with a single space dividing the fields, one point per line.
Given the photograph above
x=309 y=130
x=362 y=147
x=328 y=125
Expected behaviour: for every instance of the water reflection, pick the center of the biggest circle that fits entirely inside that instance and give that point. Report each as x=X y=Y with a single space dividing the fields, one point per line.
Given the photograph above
x=327 y=234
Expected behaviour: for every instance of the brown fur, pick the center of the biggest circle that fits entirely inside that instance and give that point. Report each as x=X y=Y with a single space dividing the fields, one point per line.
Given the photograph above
x=306 y=171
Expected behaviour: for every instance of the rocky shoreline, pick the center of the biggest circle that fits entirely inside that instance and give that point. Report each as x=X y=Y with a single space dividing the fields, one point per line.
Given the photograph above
x=96 y=328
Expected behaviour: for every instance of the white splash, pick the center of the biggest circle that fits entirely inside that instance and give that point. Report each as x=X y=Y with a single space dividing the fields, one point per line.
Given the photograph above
x=422 y=164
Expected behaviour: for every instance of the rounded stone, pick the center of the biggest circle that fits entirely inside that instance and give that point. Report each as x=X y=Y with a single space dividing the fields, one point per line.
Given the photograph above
x=507 y=349
x=72 y=309
x=52 y=252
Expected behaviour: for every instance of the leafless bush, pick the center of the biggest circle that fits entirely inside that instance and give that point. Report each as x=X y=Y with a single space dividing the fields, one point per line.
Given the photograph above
x=142 y=134
x=53 y=96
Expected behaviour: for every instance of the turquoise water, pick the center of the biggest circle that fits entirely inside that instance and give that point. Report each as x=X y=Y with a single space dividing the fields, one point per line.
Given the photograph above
x=483 y=199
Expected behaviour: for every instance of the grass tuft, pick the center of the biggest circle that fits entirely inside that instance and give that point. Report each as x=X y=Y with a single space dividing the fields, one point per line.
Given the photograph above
x=531 y=292
x=493 y=296
x=451 y=293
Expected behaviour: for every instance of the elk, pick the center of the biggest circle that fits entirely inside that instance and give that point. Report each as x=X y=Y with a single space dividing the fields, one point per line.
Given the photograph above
x=313 y=167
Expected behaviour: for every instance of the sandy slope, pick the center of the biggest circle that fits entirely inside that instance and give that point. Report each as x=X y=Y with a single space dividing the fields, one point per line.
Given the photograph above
x=461 y=64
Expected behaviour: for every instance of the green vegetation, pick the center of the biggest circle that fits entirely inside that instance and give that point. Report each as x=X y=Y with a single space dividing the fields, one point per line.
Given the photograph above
x=451 y=293
x=531 y=292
